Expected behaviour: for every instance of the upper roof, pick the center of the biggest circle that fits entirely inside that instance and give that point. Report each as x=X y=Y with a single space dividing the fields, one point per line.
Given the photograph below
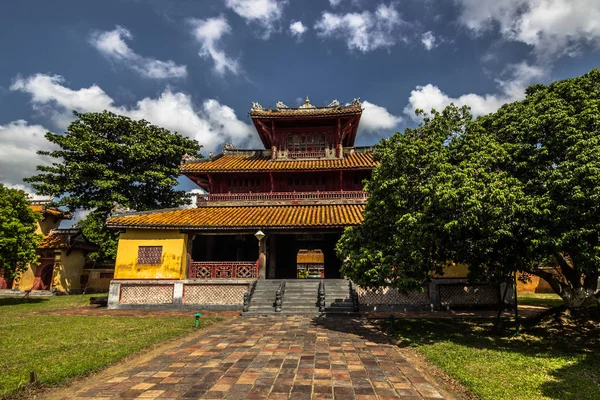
x=336 y=118
x=258 y=161
x=245 y=217
x=307 y=109
x=41 y=208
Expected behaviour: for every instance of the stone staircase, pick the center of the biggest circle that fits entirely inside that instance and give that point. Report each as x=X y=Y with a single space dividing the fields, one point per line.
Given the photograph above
x=263 y=299
x=300 y=297
x=337 y=297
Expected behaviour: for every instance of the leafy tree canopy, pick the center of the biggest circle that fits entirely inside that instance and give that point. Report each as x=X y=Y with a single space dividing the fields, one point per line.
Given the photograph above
x=105 y=159
x=517 y=190
x=18 y=240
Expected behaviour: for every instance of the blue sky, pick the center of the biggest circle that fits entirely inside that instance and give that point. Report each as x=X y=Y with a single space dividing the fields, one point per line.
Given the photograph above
x=196 y=66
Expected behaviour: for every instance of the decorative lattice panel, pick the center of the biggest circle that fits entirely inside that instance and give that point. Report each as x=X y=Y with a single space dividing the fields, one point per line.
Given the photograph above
x=149 y=255
x=461 y=294
x=146 y=294
x=223 y=270
x=214 y=294
x=390 y=296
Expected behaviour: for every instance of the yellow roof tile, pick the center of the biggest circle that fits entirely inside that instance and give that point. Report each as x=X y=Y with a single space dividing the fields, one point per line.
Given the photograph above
x=228 y=163
x=240 y=217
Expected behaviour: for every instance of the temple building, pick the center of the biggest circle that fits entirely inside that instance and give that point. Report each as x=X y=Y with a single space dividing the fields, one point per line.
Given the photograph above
x=62 y=265
x=261 y=237
x=265 y=212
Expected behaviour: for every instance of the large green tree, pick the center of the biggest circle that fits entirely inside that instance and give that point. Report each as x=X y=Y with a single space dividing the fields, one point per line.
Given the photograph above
x=104 y=159
x=18 y=240
x=517 y=190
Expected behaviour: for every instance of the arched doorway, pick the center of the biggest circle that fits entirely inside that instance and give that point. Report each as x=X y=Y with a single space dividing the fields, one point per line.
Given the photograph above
x=43 y=277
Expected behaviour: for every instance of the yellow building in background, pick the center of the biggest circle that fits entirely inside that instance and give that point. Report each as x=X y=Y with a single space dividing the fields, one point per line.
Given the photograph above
x=63 y=265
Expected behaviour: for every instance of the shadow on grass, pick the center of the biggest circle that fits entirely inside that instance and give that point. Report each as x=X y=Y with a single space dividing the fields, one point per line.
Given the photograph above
x=11 y=301
x=572 y=338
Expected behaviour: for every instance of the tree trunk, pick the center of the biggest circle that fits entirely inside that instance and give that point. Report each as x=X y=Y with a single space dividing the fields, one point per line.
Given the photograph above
x=579 y=298
x=574 y=294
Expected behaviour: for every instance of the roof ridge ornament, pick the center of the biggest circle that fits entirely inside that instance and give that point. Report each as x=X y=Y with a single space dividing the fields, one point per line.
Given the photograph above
x=280 y=105
x=307 y=104
x=257 y=107
x=334 y=103
x=356 y=102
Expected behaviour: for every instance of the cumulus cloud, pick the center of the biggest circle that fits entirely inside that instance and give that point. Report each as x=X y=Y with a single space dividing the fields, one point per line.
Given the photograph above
x=512 y=88
x=297 y=29
x=551 y=27
x=365 y=31
x=265 y=13
x=18 y=153
x=211 y=124
x=428 y=39
x=112 y=45
x=377 y=118
x=334 y=3
x=208 y=32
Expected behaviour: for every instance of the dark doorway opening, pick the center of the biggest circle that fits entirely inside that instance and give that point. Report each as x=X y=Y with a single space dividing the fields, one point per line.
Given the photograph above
x=225 y=248
x=289 y=245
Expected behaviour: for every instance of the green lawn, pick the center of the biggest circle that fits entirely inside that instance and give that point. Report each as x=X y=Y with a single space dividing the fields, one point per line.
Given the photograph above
x=58 y=347
x=556 y=358
x=540 y=299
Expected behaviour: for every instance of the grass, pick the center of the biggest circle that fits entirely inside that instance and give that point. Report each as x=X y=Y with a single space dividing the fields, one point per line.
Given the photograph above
x=555 y=358
x=540 y=299
x=58 y=347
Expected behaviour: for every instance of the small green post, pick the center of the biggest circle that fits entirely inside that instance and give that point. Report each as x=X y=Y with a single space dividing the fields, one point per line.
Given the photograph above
x=198 y=315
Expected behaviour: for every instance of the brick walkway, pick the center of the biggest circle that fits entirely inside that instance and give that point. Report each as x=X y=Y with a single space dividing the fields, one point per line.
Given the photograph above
x=272 y=358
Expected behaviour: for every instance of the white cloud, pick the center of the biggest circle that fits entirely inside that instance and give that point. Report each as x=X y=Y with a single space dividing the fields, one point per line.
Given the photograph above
x=208 y=32
x=112 y=45
x=19 y=143
x=377 y=118
x=211 y=124
x=334 y=3
x=428 y=39
x=365 y=31
x=297 y=29
x=265 y=13
x=520 y=76
x=551 y=27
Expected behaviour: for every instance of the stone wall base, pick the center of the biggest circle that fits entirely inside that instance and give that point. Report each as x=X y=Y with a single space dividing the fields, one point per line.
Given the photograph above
x=222 y=294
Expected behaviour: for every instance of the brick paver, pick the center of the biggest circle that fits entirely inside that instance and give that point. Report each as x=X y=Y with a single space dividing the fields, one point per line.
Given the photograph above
x=274 y=358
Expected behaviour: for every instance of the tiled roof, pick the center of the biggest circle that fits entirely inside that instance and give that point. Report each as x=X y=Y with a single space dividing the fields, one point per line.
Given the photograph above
x=310 y=257
x=302 y=112
x=228 y=163
x=284 y=216
x=55 y=212
x=64 y=239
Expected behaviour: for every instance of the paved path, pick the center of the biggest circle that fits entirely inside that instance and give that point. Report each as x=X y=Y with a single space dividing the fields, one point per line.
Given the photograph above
x=274 y=358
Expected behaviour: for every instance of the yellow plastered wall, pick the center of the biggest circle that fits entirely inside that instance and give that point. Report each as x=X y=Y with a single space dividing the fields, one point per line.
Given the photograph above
x=534 y=284
x=67 y=276
x=25 y=279
x=454 y=271
x=47 y=224
x=174 y=254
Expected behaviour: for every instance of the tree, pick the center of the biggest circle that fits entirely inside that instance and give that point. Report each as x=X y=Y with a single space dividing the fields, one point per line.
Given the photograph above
x=517 y=190
x=437 y=196
x=553 y=137
x=105 y=159
x=18 y=240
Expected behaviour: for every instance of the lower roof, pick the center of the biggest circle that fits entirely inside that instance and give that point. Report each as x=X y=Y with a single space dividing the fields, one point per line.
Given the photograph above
x=245 y=217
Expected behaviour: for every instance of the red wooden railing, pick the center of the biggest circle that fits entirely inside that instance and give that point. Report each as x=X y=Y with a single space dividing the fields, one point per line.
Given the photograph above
x=223 y=270
x=265 y=196
x=306 y=154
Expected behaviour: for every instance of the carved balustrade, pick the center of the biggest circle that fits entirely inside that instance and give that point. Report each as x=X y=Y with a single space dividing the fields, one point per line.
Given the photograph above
x=223 y=270
x=284 y=196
